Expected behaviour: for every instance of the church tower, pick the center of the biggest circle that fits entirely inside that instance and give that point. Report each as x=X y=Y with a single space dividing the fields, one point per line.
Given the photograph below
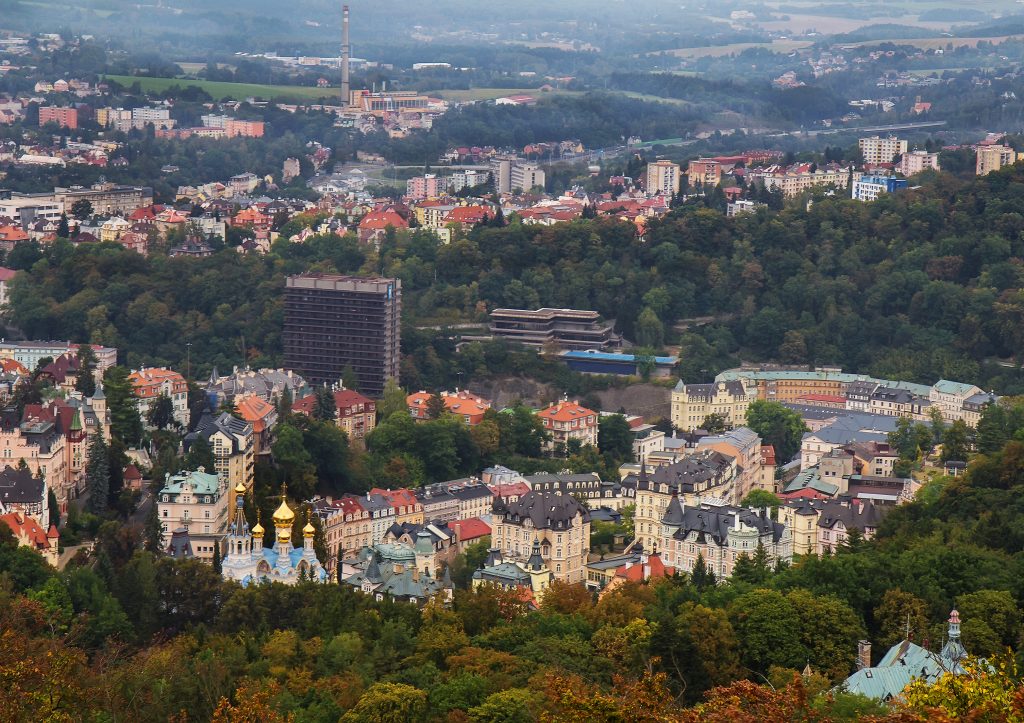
x=283 y=519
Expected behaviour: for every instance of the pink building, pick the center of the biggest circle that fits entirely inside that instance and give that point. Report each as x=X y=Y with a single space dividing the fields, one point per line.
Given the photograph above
x=64 y=117
x=423 y=187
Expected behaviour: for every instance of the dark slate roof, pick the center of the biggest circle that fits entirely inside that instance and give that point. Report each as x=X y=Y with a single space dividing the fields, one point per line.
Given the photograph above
x=223 y=422
x=704 y=391
x=686 y=475
x=546 y=510
x=896 y=396
x=18 y=486
x=861 y=516
x=717 y=521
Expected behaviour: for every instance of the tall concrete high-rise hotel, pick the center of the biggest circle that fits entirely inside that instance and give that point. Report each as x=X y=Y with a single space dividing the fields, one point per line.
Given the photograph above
x=333 y=321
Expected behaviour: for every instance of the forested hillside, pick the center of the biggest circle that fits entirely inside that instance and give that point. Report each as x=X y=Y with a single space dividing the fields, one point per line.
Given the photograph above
x=916 y=286
x=142 y=638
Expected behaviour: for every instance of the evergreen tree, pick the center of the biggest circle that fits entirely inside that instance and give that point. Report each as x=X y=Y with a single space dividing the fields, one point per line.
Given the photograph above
x=63 y=229
x=349 y=378
x=161 y=412
x=702 y=577
x=284 y=403
x=200 y=454
x=125 y=422
x=324 y=407
x=216 y=558
x=51 y=503
x=97 y=473
x=85 y=382
x=152 y=532
x=435 y=406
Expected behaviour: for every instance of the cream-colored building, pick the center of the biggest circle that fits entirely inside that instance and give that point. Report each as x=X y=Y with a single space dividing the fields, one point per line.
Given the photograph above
x=881 y=150
x=792 y=183
x=198 y=502
x=692 y=403
x=917 y=161
x=234 y=452
x=662 y=178
x=558 y=523
x=950 y=397
x=992 y=158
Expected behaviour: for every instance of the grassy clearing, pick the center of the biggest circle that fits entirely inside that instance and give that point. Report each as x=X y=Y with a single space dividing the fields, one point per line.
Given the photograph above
x=465 y=96
x=936 y=43
x=717 y=51
x=236 y=91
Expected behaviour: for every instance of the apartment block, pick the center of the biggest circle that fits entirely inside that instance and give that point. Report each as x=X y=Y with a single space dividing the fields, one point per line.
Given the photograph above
x=64 y=117
x=333 y=321
x=662 y=178
x=705 y=171
x=916 y=161
x=881 y=150
x=992 y=158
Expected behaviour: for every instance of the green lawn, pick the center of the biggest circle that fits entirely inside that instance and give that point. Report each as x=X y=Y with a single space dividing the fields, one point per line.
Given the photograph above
x=462 y=96
x=236 y=91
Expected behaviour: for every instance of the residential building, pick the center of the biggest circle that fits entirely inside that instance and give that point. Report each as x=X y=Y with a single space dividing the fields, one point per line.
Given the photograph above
x=439 y=504
x=905 y=663
x=332 y=322
x=42 y=445
x=950 y=398
x=29 y=533
x=698 y=478
x=461 y=403
x=564 y=328
x=262 y=416
x=234 y=452
x=531 y=577
x=244 y=183
x=797 y=179
x=151 y=383
x=914 y=162
x=30 y=353
x=64 y=117
x=557 y=522
x=25 y=493
x=974 y=405
x=719 y=534
x=744 y=446
x=354 y=413
x=25 y=208
x=267 y=384
x=769 y=467
x=585 y=486
x=705 y=172
x=248 y=561
x=992 y=158
x=526 y=177
x=107 y=199
x=234 y=128
x=198 y=502
x=396 y=572
x=847 y=429
x=877 y=150
x=740 y=205
x=662 y=178
x=869 y=188
x=347 y=526
x=898 y=403
x=858 y=395
x=407 y=508
x=474 y=499
x=566 y=421
x=419 y=188
x=691 y=404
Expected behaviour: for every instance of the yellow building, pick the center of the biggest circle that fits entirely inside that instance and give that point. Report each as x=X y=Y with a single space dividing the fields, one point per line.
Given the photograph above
x=992 y=158
x=692 y=403
x=662 y=178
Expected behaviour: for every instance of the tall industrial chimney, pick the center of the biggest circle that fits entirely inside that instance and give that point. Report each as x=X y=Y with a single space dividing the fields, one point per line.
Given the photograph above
x=346 y=52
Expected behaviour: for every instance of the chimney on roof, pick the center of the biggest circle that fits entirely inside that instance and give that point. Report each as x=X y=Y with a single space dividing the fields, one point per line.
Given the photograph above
x=863 y=654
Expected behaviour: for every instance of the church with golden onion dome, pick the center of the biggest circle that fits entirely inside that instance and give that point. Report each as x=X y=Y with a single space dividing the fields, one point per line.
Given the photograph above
x=248 y=561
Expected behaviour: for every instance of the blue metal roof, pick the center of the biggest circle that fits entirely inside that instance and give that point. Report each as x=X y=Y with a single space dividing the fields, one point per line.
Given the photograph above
x=609 y=356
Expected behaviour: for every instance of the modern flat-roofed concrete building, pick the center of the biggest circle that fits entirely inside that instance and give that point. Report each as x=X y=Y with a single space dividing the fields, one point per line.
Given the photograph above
x=333 y=321
x=567 y=328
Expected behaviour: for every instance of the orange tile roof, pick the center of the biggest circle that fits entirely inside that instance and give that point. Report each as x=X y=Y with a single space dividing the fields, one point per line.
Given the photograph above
x=767 y=455
x=148 y=383
x=12 y=233
x=13 y=366
x=655 y=569
x=566 y=412
x=397 y=498
x=461 y=402
x=26 y=528
x=254 y=410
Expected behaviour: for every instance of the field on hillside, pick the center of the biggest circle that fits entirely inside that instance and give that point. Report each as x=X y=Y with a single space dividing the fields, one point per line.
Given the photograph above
x=464 y=96
x=716 y=51
x=236 y=91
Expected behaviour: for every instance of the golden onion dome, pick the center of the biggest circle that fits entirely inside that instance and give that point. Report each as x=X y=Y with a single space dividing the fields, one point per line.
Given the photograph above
x=239 y=489
x=283 y=515
x=308 y=530
x=257 y=530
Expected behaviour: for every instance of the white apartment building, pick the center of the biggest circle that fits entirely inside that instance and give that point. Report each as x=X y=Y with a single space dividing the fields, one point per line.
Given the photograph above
x=198 y=502
x=662 y=178
x=917 y=161
x=881 y=150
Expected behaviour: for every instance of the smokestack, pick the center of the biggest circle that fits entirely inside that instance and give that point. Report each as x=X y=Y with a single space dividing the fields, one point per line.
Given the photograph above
x=346 y=52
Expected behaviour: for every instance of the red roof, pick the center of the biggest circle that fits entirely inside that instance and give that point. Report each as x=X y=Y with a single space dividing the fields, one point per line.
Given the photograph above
x=637 y=572
x=6 y=274
x=806 y=493
x=379 y=220
x=344 y=401
x=509 y=489
x=397 y=498
x=472 y=528
x=27 y=529
x=767 y=455
x=132 y=472
x=467 y=214
x=349 y=505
